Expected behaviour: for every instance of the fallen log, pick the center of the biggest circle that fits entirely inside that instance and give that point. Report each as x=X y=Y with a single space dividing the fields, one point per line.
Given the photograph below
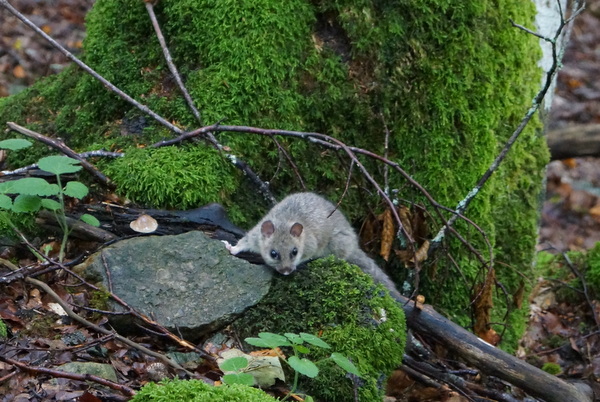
x=574 y=141
x=489 y=359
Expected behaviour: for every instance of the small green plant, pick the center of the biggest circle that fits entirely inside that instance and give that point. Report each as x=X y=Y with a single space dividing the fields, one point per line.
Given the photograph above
x=3 y=329
x=298 y=363
x=33 y=193
x=552 y=368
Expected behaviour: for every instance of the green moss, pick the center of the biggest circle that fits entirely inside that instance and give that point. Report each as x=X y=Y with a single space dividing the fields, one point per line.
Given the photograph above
x=552 y=368
x=99 y=300
x=198 y=391
x=171 y=177
x=25 y=222
x=3 y=329
x=449 y=79
x=343 y=306
x=570 y=269
x=592 y=274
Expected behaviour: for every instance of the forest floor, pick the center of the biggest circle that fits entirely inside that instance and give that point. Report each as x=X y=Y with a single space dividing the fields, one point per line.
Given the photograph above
x=570 y=216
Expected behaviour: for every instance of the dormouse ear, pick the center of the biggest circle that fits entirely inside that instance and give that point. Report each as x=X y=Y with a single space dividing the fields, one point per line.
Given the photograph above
x=267 y=228
x=296 y=229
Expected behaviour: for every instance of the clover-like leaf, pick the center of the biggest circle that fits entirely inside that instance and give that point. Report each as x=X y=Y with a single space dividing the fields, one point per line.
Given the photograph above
x=50 y=204
x=76 y=189
x=234 y=364
x=261 y=343
x=5 y=202
x=238 y=378
x=314 y=340
x=294 y=338
x=304 y=366
x=269 y=340
x=90 y=220
x=14 y=144
x=302 y=349
x=344 y=363
x=29 y=186
x=275 y=338
x=59 y=164
x=27 y=203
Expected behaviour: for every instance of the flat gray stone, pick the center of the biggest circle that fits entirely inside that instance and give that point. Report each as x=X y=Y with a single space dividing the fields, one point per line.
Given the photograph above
x=105 y=371
x=186 y=282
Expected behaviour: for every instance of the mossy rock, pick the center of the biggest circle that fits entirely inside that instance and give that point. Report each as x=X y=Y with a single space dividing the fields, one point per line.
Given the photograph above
x=342 y=305
x=448 y=79
x=197 y=391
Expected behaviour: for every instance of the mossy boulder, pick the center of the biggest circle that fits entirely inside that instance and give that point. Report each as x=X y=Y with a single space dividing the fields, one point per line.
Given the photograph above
x=197 y=391
x=448 y=79
x=342 y=305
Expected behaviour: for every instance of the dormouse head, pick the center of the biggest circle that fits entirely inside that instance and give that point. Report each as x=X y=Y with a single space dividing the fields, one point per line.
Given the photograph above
x=282 y=247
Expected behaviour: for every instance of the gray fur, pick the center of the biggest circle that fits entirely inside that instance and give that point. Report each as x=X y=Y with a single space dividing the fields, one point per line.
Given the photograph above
x=299 y=229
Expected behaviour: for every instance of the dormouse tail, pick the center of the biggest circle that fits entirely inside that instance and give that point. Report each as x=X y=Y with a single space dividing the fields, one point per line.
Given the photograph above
x=369 y=266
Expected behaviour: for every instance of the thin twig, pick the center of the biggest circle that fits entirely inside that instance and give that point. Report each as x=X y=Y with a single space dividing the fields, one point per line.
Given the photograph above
x=163 y=44
x=84 y=155
x=95 y=327
x=463 y=205
x=89 y=70
x=59 y=145
x=585 y=288
x=72 y=376
x=263 y=188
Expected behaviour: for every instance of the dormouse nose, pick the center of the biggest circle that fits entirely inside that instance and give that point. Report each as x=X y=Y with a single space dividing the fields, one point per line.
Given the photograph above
x=285 y=270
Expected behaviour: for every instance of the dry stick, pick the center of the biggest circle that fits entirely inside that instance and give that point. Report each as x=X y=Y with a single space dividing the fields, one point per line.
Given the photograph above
x=263 y=188
x=82 y=155
x=331 y=143
x=487 y=358
x=72 y=376
x=58 y=144
x=173 y=68
x=172 y=336
x=289 y=159
x=584 y=285
x=95 y=327
x=463 y=205
x=386 y=142
x=317 y=138
x=89 y=70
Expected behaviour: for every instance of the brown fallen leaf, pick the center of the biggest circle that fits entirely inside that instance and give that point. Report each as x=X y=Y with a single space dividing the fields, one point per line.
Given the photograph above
x=421 y=254
x=387 y=234
x=19 y=71
x=518 y=295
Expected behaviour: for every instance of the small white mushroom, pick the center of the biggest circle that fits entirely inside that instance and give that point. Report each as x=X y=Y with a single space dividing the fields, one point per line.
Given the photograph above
x=144 y=224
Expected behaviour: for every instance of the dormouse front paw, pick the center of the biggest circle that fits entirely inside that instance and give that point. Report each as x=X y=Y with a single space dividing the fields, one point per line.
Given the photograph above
x=232 y=249
x=227 y=245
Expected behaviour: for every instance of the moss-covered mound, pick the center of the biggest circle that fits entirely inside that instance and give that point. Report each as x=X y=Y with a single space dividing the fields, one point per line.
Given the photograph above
x=341 y=305
x=562 y=269
x=448 y=79
x=197 y=391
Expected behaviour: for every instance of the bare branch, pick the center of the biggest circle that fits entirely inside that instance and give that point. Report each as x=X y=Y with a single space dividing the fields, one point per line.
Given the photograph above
x=464 y=204
x=59 y=145
x=89 y=70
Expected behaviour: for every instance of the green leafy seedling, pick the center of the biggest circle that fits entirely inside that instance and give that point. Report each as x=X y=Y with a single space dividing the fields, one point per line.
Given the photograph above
x=298 y=363
x=31 y=193
x=236 y=364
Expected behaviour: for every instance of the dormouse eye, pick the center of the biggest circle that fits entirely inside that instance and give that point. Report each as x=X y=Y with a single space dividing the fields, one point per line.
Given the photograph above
x=274 y=255
x=294 y=252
